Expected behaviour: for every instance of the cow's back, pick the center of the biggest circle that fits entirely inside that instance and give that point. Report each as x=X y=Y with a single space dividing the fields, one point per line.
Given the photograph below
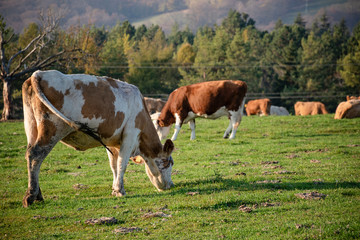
x=100 y=103
x=207 y=98
x=348 y=109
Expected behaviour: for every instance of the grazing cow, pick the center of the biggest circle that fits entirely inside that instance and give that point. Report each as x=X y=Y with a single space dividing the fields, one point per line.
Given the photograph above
x=348 y=109
x=279 y=111
x=83 y=112
x=352 y=98
x=309 y=108
x=258 y=107
x=154 y=105
x=208 y=100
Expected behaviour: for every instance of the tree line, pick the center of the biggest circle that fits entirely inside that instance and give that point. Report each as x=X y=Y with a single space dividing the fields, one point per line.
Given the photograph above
x=290 y=60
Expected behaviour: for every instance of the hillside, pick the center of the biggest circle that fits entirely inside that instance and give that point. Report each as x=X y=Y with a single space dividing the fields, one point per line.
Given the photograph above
x=191 y=13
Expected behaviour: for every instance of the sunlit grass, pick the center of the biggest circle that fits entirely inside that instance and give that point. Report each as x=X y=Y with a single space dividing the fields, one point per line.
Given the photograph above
x=271 y=160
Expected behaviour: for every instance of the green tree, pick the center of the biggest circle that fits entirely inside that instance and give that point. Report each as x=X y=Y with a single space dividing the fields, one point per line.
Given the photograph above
x=350 y=72
x=114 y=53
x=184 y=59
x=152 y=66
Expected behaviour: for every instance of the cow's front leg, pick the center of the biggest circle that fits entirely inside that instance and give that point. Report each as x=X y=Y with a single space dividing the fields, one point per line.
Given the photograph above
x=235 y=121
x=228 y=130
x=192 y=127
x=178 y=124
x=122 y=162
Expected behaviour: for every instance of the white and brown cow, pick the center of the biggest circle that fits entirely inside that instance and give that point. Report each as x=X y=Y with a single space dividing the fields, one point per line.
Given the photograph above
x=83 y=112
x=208 y=100
x=154 y=105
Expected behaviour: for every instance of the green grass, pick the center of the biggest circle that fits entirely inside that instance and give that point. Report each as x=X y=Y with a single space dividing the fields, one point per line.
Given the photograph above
x=313 y=154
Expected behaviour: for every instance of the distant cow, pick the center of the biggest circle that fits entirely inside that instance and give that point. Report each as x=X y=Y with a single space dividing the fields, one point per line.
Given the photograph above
x=208 y=100
x=258 y=107
x=348 y=109
x=309 y=108
x=83 y=112
x=154 y=105
x=352 y=98
x=279 y=111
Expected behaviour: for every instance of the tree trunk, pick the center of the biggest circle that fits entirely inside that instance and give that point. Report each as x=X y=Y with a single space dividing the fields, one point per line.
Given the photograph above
x=8 y=110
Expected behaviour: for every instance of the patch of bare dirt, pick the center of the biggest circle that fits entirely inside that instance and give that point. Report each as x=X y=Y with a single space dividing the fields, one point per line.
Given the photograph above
x=240 y=174
x=124 y=230
x=298 y=226
x=269 y=162
x=244 y=208
x=102 y=220
x=156 y=214
x=269 y=181
x=311 y=196
x=291 y=156
x=192 y=193
x=80 y=186
x=315 y=161
x=37 y=217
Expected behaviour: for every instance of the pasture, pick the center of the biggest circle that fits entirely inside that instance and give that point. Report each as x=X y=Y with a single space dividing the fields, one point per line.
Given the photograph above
x=246 y=188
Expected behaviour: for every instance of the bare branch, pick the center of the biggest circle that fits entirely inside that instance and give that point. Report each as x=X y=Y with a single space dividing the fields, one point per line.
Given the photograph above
x=24 y=49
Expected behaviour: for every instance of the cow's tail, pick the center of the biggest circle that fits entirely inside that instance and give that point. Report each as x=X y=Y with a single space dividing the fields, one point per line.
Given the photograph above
x=78 y=126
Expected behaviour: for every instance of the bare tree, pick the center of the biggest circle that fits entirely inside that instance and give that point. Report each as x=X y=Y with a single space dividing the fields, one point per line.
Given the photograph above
x=34 y=56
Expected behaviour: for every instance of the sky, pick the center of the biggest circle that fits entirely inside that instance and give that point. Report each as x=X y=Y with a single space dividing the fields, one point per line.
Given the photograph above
x=186 y=13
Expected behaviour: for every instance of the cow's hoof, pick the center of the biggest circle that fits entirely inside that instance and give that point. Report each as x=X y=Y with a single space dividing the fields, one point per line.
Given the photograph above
x=30 y=199
x=27 y=201
x=118 y=194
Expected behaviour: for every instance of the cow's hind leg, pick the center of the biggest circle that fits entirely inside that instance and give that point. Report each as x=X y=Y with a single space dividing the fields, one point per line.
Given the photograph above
x=228 y=130
x=113 y=158
x=38 y=148
x=192 y=127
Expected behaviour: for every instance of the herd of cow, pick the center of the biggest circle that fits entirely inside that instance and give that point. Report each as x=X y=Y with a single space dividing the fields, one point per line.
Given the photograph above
x=84 y=111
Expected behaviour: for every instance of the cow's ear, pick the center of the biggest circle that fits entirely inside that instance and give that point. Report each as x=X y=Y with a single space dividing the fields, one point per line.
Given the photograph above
x=168 y=146
x=138 y=159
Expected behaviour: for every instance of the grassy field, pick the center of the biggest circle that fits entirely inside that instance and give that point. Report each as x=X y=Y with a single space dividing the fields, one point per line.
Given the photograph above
x=245 y=188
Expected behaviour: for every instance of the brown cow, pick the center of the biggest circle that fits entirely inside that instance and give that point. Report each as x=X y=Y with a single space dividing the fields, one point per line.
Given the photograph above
x=348 y=109
x=154 y=105
x=309 y=108
x=83 y=112
x=352 y=98
x=208 y=100
x=259 y=107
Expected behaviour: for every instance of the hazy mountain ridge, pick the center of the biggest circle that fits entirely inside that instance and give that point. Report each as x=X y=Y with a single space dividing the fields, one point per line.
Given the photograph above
x=192 y=13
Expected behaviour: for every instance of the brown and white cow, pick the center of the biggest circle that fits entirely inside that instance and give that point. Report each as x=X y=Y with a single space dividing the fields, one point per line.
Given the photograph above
x=83 y=112
x=154 y=105
x=208 y=100
x=348 y=109
x=309 y=108
x=259 y=107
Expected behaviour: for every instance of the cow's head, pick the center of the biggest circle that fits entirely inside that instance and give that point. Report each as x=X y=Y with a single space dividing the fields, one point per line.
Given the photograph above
x=161 y=130
x=159 y=168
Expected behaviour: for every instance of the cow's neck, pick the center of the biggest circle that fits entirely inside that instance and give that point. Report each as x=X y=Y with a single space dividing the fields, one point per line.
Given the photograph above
x=149 y=142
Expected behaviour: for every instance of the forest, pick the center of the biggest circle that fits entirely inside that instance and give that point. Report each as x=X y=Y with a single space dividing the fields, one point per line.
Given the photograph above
x=288 y=64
